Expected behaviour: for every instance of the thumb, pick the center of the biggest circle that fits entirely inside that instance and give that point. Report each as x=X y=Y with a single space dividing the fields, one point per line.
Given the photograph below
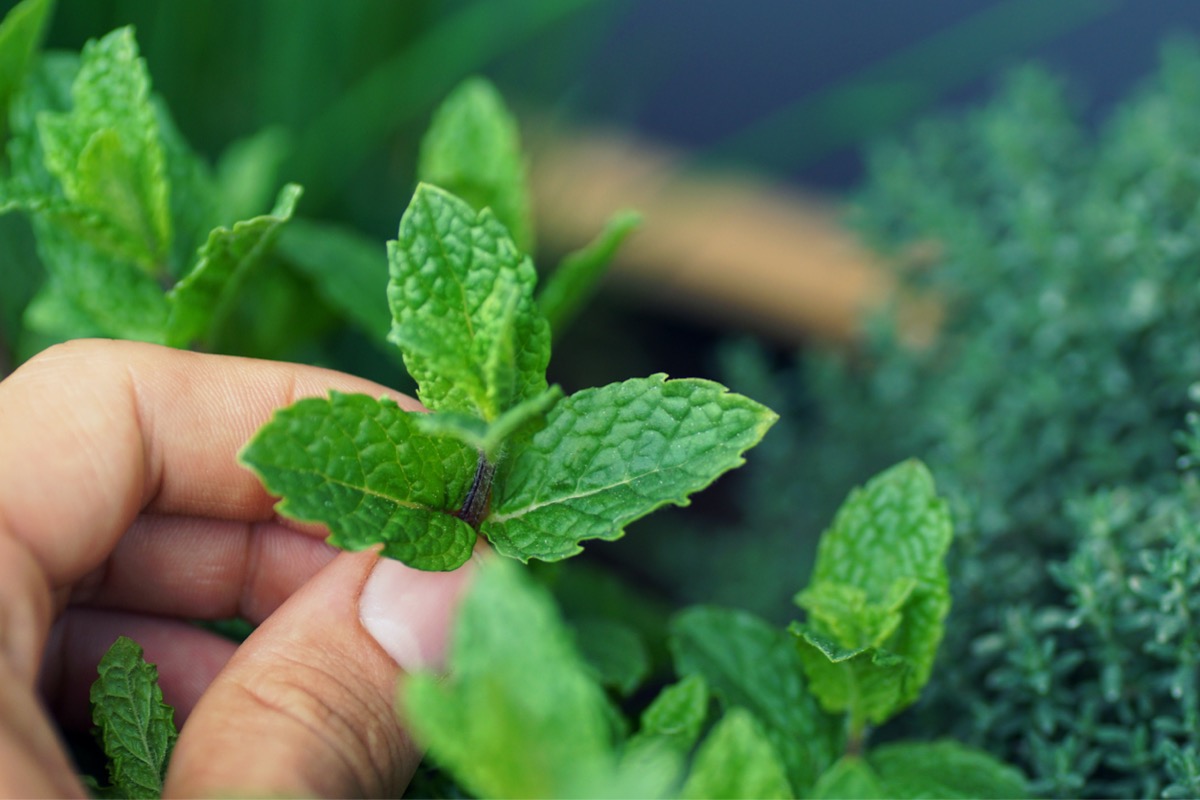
x=306 y=705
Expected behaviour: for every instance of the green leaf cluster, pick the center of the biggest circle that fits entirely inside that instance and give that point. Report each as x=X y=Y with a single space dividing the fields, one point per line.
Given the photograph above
x=503 y=454
x=1061 y=252
x=788 y=726
x=135 y=727
x=127 y=218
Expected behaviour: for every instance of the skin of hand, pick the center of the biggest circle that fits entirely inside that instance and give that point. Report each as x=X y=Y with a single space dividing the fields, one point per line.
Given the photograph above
x=123 y=510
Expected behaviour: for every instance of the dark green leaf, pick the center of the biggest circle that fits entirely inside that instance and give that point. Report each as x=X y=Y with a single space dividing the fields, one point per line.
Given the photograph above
x=615 y=652
x=20 y=36
x=136 y=728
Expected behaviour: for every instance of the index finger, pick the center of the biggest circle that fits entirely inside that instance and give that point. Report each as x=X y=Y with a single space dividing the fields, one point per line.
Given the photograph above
x=92 y=432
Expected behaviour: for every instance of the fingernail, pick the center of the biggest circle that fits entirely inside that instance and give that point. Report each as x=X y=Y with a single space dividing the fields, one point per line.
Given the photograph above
x=410 y=612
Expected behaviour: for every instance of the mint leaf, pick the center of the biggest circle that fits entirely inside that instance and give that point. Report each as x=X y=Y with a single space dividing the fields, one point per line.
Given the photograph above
x=462 y=303
x=136 y=728
x=349 y=271
x=851 y=778
x=200 y=301
x=473 y=150
x=248 y=170
x=609 y=456
x=675 y=716
x=944 y=770
x=21 y=33
x=749 y=663
x=106 y=151
x=878 y=597
x=616 y=654
x=358 y=465
x=571 y=285
x=735 y=761
x=519 y=714
x=491 y=439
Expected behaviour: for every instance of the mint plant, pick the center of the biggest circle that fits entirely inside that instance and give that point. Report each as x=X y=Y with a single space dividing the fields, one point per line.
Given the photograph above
x=797 y=705
x=135 y=727
x=503 y=454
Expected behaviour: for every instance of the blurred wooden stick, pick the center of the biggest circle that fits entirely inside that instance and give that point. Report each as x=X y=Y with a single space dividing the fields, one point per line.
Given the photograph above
x=734 y=248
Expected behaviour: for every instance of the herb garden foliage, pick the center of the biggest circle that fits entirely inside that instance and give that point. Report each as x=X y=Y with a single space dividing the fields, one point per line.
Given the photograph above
x=795 y=707
x=1048 y=405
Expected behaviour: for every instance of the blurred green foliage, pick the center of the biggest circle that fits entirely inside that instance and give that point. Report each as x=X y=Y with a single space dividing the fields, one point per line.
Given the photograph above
x=1047 y=406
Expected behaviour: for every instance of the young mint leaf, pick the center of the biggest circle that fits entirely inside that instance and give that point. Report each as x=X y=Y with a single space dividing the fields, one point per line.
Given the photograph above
x=611 y=455
x=196 y=207
x=878 y=597
x=675 y=716
x=248 y=172
x=349 y=271
x=106 y=151
x=577 y=276
x=944 y=770
x=136 y=728
x=750 y=663
x=737 y=760
x=519 y=714
x=21 y=33
x=462 y=306
x=473 y=150
x=358 y=465
x=491 y=439
x=199 y=302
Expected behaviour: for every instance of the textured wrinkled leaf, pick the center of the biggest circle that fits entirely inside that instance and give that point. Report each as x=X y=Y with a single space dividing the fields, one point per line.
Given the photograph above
x=944 y=769
x=519 y=714
x=473 y=150
x=616 y=654
x=200 y=301
x=461 y=296
x=21 y=33
x=136 y=728
x=611 y=455
x=349 y=271
x=106 y=151
x=869 y=682
x=578 y=275
x=675 y=716
x=737 y=760
x=883 y=556
x=749 y=663
x=358 y=465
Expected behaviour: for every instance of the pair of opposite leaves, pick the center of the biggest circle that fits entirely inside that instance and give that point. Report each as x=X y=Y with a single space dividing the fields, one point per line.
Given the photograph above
x=502 y=454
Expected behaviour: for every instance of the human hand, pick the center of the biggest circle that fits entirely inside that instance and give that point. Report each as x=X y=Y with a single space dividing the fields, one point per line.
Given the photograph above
x=123 y=511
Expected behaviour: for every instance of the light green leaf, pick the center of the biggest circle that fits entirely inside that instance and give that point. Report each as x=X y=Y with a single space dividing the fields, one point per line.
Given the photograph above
x=944 y=769
x=616 y=654
x=851 y=778
x=137 y=729
x=578 y=275
x=248 y=172
x=53 y=313
x=750 y=663
x=609 y=456
x=196 y=207
x=519 y=714
x=349 y=271
x=883 y=556
x=492 y=439
x=737 y=760
x=358 y=465
x=200 y=301
x=473 y=150
x=47 y=87
x=675 y=716
x=868 y=682
x=462 y=306
x=21 y=33
x=106 y=151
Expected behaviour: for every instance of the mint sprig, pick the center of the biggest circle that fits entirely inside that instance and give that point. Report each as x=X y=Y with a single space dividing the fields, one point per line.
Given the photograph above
x=503 y=453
